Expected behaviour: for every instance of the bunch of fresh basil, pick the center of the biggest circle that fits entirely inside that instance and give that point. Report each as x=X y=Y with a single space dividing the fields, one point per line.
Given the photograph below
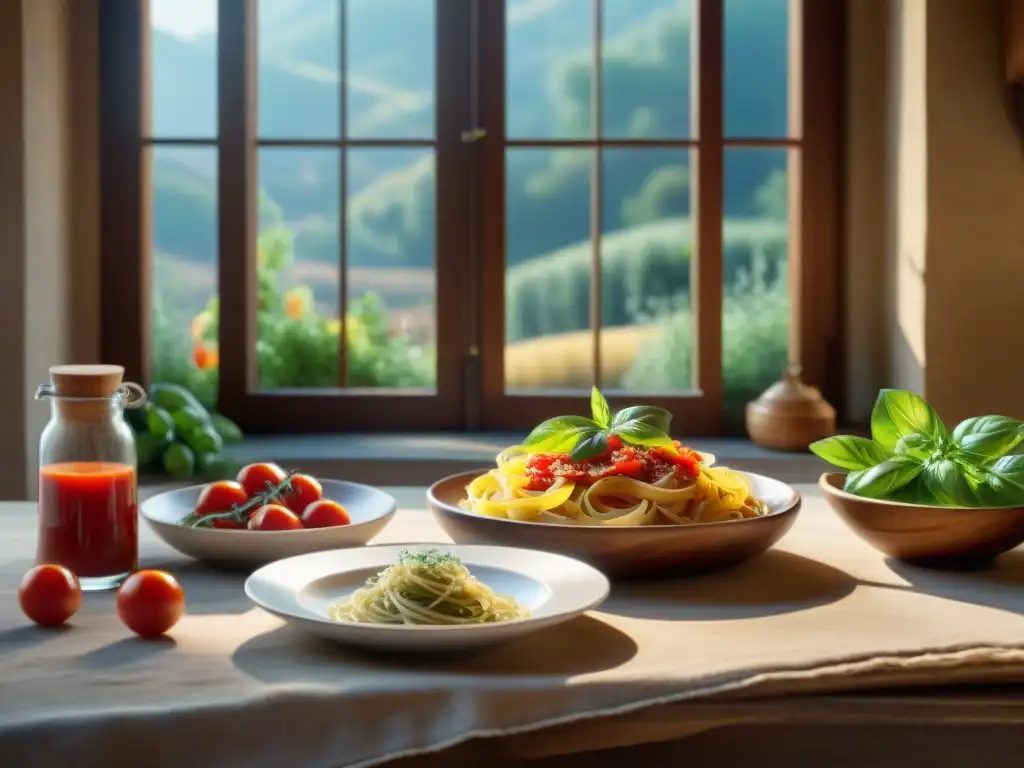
x=586 y=438
x=913 y=458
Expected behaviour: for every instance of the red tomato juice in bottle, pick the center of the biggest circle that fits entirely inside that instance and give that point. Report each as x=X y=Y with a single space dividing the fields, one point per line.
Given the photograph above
x=88 y=518
x=88 y=489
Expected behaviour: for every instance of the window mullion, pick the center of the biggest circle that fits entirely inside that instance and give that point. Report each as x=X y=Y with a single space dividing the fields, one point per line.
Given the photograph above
x=237 y=193
x=708 y=85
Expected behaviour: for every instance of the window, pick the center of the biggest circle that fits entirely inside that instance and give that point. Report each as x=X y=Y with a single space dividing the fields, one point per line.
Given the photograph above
x=426 y=214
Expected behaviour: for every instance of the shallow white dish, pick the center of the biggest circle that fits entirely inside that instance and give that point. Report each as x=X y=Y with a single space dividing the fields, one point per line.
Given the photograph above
x=369 y=508
x=553 y=587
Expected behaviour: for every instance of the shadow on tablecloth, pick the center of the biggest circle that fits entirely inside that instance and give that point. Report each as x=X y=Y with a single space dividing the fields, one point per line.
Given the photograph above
x=774 y=583
x=999 y=584
x=288 y=656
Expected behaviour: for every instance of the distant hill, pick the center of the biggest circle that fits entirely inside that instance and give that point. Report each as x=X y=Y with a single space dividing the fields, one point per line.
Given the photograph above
x=390 y=82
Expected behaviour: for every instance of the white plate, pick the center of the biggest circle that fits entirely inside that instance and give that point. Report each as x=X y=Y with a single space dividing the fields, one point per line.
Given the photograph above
x=369 y=508
x=553 y=587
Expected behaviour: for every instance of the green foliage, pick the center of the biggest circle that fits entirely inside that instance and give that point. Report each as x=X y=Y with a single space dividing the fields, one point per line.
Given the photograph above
x=663 y=194
x=586 y=438
x=642 y=269
x=913 y=458
x=755 y=324
x=295 y=346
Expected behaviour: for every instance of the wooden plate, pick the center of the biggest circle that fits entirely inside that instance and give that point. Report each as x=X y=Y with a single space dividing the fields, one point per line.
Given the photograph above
x=626 y=551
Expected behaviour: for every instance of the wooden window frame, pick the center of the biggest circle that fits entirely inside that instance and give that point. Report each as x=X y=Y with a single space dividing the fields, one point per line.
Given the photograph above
x=470 y=228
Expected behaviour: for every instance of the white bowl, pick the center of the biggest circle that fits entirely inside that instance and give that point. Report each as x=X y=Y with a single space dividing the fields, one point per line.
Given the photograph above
x=369 y=509
x=553 y=587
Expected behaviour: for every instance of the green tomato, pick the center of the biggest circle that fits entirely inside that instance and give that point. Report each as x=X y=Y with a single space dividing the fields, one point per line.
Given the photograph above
x=159 y=423
x=188 y=419
x=179 y=460
x=204 y=439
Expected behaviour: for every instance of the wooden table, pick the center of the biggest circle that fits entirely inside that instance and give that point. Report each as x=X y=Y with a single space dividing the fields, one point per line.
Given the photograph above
x=719 y=670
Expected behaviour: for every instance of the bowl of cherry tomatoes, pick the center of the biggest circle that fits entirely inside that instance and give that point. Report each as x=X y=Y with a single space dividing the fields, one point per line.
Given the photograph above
x=266 y=514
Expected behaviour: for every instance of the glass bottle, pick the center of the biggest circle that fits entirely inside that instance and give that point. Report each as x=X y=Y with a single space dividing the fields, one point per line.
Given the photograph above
x=88 y=488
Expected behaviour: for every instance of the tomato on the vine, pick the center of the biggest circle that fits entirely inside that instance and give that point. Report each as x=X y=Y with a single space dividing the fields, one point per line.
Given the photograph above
x=220 y=496
x=325 y=513
x=150 y=602
x=258 y=478
x=50 y=595
x=274 y=517
x=304 y=491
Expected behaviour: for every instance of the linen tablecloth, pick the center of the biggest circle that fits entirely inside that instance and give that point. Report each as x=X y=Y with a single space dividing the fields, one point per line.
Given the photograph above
x=822 y=612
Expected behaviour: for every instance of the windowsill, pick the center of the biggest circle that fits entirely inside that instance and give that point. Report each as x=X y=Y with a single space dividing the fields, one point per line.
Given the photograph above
x=421 y=458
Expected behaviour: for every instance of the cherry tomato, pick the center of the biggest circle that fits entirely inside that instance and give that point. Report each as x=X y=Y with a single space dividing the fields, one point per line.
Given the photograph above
x=274 y=517
x=220 y=497
x=325 y=513
x=305 y=490
x=150 y=602
x=256 y=478
x=50 y=595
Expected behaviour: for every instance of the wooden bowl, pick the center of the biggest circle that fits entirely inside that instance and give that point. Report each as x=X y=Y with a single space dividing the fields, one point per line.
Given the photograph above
x=626 y=551
x=932 y=535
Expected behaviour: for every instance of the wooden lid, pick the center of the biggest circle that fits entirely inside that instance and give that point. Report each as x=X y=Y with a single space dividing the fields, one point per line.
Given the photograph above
x=86 y=380
x=790 y=396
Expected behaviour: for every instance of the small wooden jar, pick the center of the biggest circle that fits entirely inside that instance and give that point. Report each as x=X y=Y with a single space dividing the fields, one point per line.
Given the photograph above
x=790 y=415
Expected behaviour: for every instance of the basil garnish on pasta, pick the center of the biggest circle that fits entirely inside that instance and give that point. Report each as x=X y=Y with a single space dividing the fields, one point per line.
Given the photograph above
x=619 y=469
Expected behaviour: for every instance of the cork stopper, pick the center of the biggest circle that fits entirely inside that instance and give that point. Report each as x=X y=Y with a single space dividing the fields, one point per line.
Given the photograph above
x=86 y=380
x=86 y=393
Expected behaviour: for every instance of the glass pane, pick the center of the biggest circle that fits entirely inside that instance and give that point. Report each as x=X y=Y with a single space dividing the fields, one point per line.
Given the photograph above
x=756 y=68
x=390 y=69
x=755 y=322
x=183 y=70
x=548 y=344
x=299 y=69
x=184 y=253
x=391 y=307
x=646 y=68
x=647 y=319
x=549 y=69
x=298 y=259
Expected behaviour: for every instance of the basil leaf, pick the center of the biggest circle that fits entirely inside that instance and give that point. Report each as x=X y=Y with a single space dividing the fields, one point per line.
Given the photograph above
x=590 y=446
x=559 y=434
x=658 y=418
x=915 y=445
x=882 y=479
x=1006 y=482
x=988 y=437
x=898 y=412
x=914 y=492
x=642 y=433
x=947 y=482
x=599 y=408
x=850 y=452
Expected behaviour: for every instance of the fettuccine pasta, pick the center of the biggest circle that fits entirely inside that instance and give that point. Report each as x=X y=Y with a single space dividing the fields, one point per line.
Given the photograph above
x=625 y=486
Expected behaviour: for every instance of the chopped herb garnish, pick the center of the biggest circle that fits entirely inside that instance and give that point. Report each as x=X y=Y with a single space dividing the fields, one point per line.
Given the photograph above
x=429 y=559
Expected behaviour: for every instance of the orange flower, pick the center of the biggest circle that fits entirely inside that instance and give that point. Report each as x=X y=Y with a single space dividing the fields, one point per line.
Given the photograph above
x=294 y=304
x=205 y=356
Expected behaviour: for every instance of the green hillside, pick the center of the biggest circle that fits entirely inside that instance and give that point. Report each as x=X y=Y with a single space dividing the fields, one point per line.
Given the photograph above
x=391 y=206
